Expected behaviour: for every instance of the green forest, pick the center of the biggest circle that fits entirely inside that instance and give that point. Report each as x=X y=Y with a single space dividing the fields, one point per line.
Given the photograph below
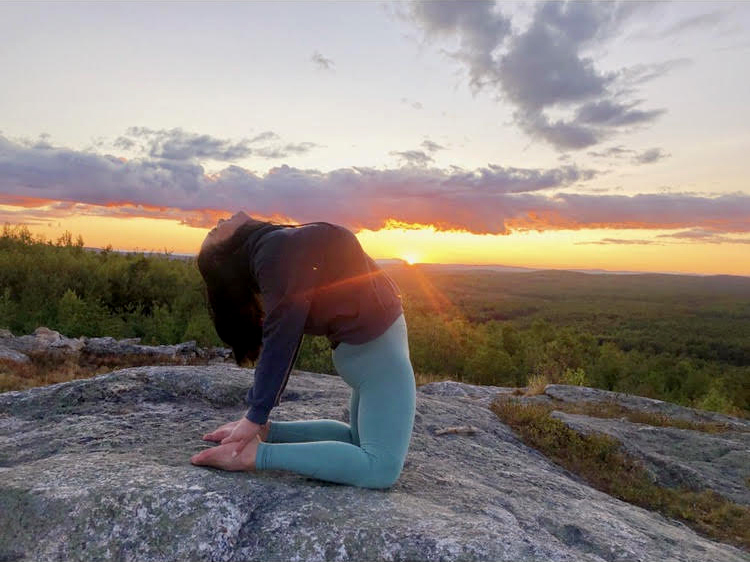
x=685 y=339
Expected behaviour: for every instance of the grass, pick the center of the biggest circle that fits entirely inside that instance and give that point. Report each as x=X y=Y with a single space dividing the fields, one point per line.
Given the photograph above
x=425 y=378
x=47 y=368
x=536 y=385
x=600 y=461
x=614 y=410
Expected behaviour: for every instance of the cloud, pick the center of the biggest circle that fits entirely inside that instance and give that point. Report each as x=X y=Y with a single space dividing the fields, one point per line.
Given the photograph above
x=179 y=145
x=610 y=114
x=124 y=143
x=412 y=103
x=488 y=200
x=286 y=150
x=544 y=67
x=419 y=157
x=40 y=142
x=430 y=146
x=705 y=236
x=698 y=22
x=650 y=156
x=300 y=147
x=321 y=62
x=38 y=211
x=413 y=157
x=632 y=76
x=264 y=136
x=620 y=241
x=725 y=213
x=612 y=152
x=737 y=46
x=478 y=25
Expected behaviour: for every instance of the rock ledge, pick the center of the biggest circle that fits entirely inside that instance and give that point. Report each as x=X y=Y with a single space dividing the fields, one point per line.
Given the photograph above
x=99 y=468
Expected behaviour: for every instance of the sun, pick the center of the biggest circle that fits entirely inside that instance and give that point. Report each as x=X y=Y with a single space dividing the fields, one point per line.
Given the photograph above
x=411 y=259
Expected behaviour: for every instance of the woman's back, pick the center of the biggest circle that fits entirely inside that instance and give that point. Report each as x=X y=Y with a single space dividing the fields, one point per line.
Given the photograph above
x=351 y=298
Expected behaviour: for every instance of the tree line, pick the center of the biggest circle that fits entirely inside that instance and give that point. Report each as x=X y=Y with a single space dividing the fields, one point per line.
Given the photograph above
x=477 y=327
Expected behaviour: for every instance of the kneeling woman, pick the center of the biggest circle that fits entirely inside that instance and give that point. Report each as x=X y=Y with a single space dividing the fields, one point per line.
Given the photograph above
x=268 y=284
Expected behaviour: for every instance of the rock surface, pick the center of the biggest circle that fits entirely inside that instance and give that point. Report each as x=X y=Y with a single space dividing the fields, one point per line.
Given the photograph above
x=46 y=341
x=13 y=356
x=99 y=469
x=483 y=395
x=673 y=457
x=579 y=394
x=680 y=457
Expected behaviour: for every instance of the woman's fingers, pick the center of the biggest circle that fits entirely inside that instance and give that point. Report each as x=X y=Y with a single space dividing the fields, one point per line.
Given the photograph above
x=229 y=438
x=242 y=434
x=221 y=432
x=217 y=435
x=239 y=440
x=242 y=444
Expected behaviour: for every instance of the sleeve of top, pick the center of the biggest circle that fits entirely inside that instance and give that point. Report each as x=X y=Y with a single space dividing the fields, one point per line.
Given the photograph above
x=286 y=277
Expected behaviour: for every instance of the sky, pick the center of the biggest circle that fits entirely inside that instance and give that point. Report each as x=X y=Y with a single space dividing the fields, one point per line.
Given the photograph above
x=564 y=134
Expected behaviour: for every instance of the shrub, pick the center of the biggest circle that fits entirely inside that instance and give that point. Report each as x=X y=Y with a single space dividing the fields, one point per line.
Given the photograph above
x=716 y=401
x=536 y=385
x=8 y=309
x=575 y=377
x=315 y=355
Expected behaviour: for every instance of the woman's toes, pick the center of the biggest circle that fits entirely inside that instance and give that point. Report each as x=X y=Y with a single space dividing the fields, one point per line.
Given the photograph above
x=221 y=457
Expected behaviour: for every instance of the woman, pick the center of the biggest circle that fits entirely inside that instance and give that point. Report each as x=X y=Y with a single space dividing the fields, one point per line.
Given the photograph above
x=268 y=284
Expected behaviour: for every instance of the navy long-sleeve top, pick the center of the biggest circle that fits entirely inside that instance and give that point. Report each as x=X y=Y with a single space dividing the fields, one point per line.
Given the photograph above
x=313 y=279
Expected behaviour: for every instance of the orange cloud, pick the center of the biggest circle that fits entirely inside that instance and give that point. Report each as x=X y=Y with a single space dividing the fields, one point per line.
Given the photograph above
x=491 y=200
x=24 y=200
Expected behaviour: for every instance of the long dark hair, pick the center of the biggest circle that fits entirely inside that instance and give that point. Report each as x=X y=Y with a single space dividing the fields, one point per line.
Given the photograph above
x=233 y=294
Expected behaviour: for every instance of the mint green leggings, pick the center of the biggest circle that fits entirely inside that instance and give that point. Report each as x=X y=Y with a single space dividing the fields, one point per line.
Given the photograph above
x=370 y=451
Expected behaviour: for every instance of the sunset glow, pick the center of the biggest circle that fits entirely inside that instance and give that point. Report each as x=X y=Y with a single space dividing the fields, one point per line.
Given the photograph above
x=562 y=249
x=624 y=149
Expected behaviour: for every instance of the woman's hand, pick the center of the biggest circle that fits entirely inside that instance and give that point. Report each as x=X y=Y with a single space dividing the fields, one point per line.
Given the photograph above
x=243 y=432
x=218 y=434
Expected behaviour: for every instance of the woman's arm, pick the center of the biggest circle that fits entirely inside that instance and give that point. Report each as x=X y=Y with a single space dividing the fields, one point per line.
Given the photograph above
x=283 y=330
x=287 y=273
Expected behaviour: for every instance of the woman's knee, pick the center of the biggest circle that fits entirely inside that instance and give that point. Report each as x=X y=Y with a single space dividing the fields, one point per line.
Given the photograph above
x=382 y=474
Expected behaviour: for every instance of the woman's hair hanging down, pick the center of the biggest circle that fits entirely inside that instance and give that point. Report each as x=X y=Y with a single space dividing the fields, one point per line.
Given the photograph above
x=232 y=294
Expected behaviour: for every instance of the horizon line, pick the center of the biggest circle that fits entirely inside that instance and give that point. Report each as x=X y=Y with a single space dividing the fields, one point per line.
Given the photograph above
x=507 y=268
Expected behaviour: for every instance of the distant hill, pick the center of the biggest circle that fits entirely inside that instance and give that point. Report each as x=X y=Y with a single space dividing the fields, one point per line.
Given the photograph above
x=446 y=267
x=472 y=267
x=436 y=267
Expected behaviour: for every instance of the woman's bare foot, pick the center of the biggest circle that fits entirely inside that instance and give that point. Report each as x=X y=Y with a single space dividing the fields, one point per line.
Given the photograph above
x=221 y=457
x=218 y=434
